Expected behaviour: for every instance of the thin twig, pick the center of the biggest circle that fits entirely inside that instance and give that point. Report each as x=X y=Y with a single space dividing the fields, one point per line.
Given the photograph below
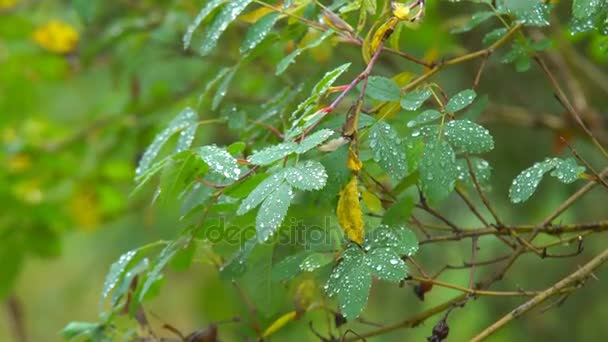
x=576 y=279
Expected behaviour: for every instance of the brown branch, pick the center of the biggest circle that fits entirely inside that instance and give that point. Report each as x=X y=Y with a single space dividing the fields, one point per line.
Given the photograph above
x=576 y=279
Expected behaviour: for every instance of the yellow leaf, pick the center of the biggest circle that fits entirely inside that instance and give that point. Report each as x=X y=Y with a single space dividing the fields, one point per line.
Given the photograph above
x=304 y=294
x=18 y=163
x=57 y=37
x=256 y=14
x=279 y=323
x=401 y=11
x=349 y=212
x=353 y=162
x=372 y=202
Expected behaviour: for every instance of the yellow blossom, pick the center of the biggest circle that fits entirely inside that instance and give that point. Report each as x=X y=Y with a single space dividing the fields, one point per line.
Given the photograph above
x=57 y=37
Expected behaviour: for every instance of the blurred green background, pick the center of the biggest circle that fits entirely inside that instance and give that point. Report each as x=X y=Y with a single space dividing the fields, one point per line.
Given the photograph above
x=81 y=98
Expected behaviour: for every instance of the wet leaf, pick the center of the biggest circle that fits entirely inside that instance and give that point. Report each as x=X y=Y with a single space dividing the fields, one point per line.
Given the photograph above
x=182 y=121
x=349 y=212
x=308 y=175
x=415 y=98
x=526 y=183
x=204 y=12
x=468 y=136
x=220 y=161
x=273 y=153
x=351 y=281
x=315 y=261
x=460 y=100
x=438 y=171
x=260 y=193
x=481 y=168
x=476 y=19
x=386 y=264
x=494 y=35
x=388 y=150
x=227 y=14
x=258 y=31
x=273 y=211
x=425 y=117
x=314 y=140
x=382 y=89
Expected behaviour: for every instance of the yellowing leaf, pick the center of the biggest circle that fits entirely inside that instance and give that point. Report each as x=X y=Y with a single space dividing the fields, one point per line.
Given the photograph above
x=401 y=11
x=379 y=37
x=372 y=202
x=279 y=323
x=353 y=162
x=349 y=212
x=305 y=293
x=57 y=37
x=256 y=14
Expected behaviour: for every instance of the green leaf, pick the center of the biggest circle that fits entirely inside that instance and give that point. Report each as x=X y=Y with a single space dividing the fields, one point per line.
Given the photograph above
x=227 y=15
x=287 y=60
x=468 y=136
x=481 y=168
x=494 y=35
x=414 y=99
x=273 y=211
x=154 y=276
x=529 y=12
x=220 y=161
x=382 y=89
x=476 y=19
x=237 y=265
x=289 y=267
x=204 y=12
x=388 y=150
x=117 y=272
x=401 y=240
x=567 y=171
x=351 y=281
x=315 y=261
x=386 y=264
x=460 y=100
x=308 y=175
x=400 y=210
x=438 y=171
x=178 y=174
x=183 y=120
x=260 y=193
x=582 y=9
x=273 y=153
x=425 y=117
x=314 y=140
x=76 y=330
x=222 y=89
x=258 y=31
x=526 y=183
x=328 y=79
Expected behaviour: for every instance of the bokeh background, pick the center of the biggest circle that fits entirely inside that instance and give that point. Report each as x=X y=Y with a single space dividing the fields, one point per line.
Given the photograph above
x=85 y=85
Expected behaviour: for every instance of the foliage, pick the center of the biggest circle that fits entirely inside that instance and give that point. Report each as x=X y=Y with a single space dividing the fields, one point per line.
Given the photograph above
x=289 y=137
